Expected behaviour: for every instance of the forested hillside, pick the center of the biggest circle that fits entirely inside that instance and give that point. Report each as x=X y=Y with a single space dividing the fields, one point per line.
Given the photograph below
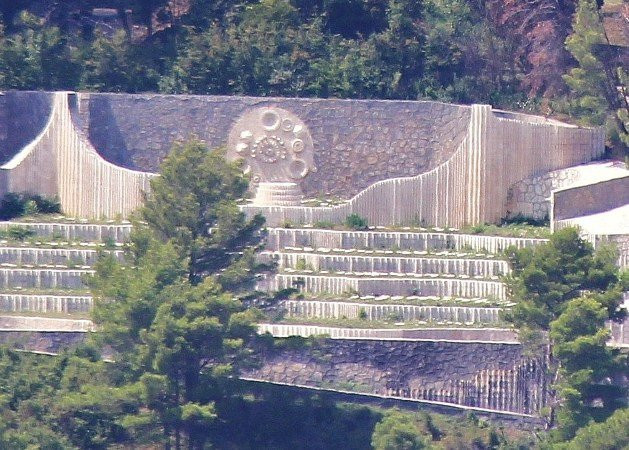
x=499 y=51
x=511 y=54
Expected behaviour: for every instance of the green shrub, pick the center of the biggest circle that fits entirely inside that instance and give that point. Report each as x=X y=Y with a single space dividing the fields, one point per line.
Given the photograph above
x=356 y=222
x=17 y=233
x=110 y=243
x=325 y=224
x=19 y=204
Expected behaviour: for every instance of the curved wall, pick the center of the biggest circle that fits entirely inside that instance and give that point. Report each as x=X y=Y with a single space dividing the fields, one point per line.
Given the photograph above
x=356 y=142
x=467 y=158
x=23 y=116
x=472 y=186
x=61 y=162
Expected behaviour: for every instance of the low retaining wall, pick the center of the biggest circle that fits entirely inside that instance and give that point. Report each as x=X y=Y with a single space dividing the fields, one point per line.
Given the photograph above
x=484 y=375
x=43 y=324
x=461 y=335
x=404 y=286
x=590 y=199
x=43 y=278
x=337 y=310
x=16 y=303
x=386 y=264
x=75 y=231
x=52 y=256
x=280 y=238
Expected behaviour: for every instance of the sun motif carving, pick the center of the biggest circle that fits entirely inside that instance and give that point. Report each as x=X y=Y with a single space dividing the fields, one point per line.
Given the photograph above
x=275 y=144
x=269 y=149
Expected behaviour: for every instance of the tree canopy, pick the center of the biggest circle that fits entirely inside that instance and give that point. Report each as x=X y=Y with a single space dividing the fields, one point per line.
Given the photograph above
x=564 y=293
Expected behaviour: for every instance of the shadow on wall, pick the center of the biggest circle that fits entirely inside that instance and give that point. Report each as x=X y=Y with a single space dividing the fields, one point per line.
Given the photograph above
x=102 y=126
x=23 y=115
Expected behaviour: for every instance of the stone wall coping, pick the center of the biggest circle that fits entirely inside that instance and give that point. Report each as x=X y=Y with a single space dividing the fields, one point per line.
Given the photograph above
x=33 y=323
x=149 y=95
x=323 y=330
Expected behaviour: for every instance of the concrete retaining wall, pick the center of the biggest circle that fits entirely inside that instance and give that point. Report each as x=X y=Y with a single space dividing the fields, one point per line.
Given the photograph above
x=590 y=199
x=280 y=238
x=46 y=303
x=500 y=335
x=75 y=231
x=52 y=256
x=43 y=278
x=61 y=162
x=385 y=264
x=337 y=310
x=404 y=286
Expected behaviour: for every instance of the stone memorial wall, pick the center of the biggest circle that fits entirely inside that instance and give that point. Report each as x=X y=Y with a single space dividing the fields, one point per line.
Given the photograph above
x=394 y=162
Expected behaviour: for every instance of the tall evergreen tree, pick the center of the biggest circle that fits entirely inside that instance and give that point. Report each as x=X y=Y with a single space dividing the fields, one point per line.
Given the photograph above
x=597 y=93
x=169 y=313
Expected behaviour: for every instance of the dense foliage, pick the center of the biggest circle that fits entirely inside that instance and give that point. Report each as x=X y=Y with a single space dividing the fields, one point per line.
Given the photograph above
x=565 y=292
x=598 y=83
x=55 y=403
x=398 y=49
x=24 y=204
x=169 y=313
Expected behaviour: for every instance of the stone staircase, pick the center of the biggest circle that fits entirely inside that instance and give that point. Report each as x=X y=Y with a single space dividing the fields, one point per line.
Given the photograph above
x=364 y=279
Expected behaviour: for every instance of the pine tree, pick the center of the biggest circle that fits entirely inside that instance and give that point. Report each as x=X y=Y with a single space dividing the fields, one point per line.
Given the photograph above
x=594 y=82
x=169 y=313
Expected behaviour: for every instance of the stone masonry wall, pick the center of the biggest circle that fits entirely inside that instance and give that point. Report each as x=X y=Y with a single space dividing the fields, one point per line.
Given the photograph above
x=531 y=197
x=493 y=376
x=356 y=142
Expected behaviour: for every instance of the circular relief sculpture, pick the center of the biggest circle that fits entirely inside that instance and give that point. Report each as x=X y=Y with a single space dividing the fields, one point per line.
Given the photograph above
x=270 y=119
x=298 y=168
x=275 y=144
x=269 y=149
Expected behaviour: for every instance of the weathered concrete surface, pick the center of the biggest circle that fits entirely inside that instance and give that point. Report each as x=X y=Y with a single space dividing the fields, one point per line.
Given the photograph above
x=485 y=335
x=44 y=324
x=613 y=223
x=591 y=199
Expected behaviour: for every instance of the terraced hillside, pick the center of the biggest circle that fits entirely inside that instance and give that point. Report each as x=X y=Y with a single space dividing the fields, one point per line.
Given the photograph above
x=386 y=279
x=43 y=266
x=414 y=315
